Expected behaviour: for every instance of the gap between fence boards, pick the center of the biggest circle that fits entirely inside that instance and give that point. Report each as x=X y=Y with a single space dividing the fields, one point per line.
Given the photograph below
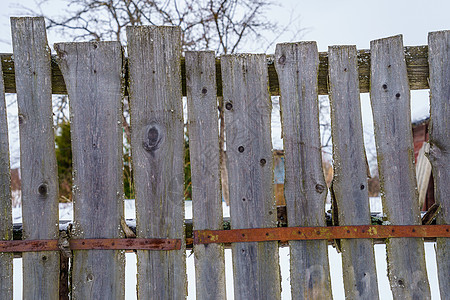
x=416 y=61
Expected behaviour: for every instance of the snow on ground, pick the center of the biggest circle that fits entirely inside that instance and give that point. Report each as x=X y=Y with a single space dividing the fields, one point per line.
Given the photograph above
x=335 y=261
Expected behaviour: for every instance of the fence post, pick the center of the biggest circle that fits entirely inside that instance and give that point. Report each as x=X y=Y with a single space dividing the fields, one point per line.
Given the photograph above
x=349 y=187
x=305 y=188
x=157 y=148
x=37 y=155
x=249 y=152
x=93 y=75
x=6 y=233
x=439 y=60
x=205 y=171
x=390 y=99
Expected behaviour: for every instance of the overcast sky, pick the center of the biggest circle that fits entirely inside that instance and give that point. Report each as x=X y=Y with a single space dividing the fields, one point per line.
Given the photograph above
x=329 y=22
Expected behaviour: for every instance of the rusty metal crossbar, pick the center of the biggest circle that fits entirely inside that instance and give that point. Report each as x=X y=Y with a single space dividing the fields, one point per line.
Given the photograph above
x=319 y=233
x=91 y=244
x=237 y=236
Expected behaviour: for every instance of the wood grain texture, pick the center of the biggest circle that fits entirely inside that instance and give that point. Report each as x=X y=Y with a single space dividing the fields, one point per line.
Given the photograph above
x=439 y=58
x=305 y=189
x=249 y=149
x=37 y=155
x=93 y=74
x=350 y=188
x=390 y=100
x=6 y=226
x=416 y=63
x=158 y=156
x=205 y=171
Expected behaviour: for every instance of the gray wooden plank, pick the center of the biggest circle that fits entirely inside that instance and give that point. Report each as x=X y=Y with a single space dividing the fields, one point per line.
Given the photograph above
x=305 y=189
x=157 y=148
x=390 y=102
x=249 y=150
x=6 y=228
x=205 y=171
x=93 y=75
x=350 y=188
x=37 y=155
x=439 y=61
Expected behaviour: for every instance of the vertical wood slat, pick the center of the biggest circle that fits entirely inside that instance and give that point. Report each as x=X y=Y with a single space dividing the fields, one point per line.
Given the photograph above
x=205 y=171
x=439 y=61
x=93 y=75
x=350 y=188
x=158 y=156
x=6 y=233
x=390 y=102
x=305 y=188
x=252 y=204
x=37 y=155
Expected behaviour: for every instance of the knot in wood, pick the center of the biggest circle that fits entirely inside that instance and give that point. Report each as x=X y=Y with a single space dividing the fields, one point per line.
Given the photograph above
x=228 y=106
x=43 y=189
x=282 y=59
x=152 y=139
x=21 y=119
x=320 y=188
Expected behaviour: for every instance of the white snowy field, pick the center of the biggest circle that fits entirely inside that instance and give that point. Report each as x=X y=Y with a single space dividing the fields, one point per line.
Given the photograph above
x=334 y=260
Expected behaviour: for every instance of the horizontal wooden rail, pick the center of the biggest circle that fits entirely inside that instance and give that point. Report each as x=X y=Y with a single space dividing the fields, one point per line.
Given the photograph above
x=416 y=62
x=90 y=244
x=319 y=233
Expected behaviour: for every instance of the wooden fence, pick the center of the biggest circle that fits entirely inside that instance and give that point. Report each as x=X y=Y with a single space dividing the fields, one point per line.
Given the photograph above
x=155 y=79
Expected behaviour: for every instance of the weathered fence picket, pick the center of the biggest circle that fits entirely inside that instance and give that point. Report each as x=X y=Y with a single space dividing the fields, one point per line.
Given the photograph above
x=157 y=148
x=6 y=234
x=390 y=100
x=37 y=155
x=349 y=187
x=439 y=57
x=93 y=75
x=305 y=189
x=203 y=132
x=252 y=204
